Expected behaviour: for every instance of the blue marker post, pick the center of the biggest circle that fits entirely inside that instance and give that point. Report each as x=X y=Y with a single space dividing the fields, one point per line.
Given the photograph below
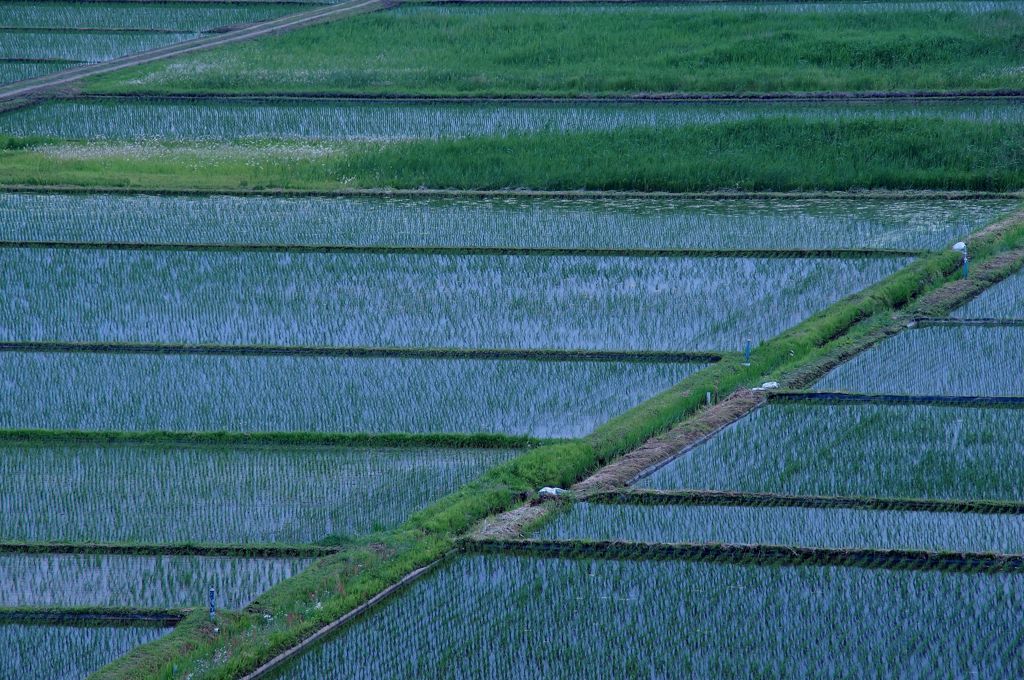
x=746 y=352
x=213 y=599
x=961 y=248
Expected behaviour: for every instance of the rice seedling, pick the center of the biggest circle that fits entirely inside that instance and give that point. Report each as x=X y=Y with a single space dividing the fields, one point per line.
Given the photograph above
x=221 y=495
x=649 y=223
x=183 y=16
x=515 y=617
x=315 y=394
x=580 y=49
x=1002 y=301
x=13 y=72
x=806 y=527
x=418 y=300
x=220 y=120
x=157 y=582
x=932 y=452
x=92 y=47
x=61 y=652
x=966 y=360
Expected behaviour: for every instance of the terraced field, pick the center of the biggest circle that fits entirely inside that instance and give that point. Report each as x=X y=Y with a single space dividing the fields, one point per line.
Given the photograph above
x=341 y=335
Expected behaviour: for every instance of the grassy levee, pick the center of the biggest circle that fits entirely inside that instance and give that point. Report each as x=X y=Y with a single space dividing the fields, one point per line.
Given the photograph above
x=570 y=51
x=295 y=609
x=769 y=154
x=104 y=616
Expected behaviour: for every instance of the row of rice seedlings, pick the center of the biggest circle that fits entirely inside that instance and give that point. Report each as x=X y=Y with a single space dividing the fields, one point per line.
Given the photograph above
x=92 y=47
x=967 y=360
x=516 y=617
x=13 y=72
x=316 y=394
x=418 y=300
x=64 y=652
x=1002 y=301
x=181 y=16
x=882 y=451
x=225 y=120
x=808 y=527
x=158 y=582
x=509 y=222
x=222 y=495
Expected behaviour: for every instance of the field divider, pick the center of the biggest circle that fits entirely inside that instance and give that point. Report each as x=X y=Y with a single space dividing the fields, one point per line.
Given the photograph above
x=808 y=397
x=41 y=60
x=363 y=352
x=101 y=616
x=759 y=555
x=326 y=248
x=164 y=549
x=931 y=321
x=701 y=497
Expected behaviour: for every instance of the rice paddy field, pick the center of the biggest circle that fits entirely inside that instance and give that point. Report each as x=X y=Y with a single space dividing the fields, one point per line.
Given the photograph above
x=224 y=119
x=569 y=618
x=163 y=581
x=66 y=652
x=239 y=495
x=1003 y=301
x=418 y=300
x=934 y=452
x=965 y=360
x=804 y=527
x=294 y=317
x=322 y=394
x=607 y=223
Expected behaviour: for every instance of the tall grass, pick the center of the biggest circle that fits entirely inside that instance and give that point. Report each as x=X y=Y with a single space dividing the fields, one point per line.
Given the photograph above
x=807 y=527
x=418 y=300
x=521 y=617
x=162 y=582
x=651 y=223
x=570 y=50
x=66 y=652
x=969 y=360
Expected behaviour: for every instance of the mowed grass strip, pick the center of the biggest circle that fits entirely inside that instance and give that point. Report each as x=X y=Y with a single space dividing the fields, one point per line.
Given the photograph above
x=766 y=154
x=566 y=51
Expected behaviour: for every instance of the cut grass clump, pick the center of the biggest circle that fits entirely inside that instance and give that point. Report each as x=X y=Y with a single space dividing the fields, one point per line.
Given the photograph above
x=614 y=620
x=804 y=527
x=929 y=452
x=576 y=50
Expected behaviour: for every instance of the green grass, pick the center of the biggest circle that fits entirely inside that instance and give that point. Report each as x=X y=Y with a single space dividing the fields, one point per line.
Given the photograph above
x=770 y=154
x=614 y=50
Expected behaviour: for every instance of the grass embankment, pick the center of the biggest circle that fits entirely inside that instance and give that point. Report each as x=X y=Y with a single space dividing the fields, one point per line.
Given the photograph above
x=771 y=154
x=571 y=51
x=296 y=608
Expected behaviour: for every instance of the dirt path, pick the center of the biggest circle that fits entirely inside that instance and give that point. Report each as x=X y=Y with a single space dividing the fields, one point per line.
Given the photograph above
x=45 y=85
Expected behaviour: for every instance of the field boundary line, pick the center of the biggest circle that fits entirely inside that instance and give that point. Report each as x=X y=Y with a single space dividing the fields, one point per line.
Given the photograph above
x=702 y=497
x=810 y=397
x=165 y=549
x=37 y=87
x=760 y=555
x=932 y=321
x=354 y=613
x=42 y=60
x=364 y=352
x=327 y=248
x=858 y=194
x=638 y=98
x=105 y=616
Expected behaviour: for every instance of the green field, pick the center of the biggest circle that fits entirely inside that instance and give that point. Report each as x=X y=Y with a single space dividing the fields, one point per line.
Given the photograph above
x=222 y=494
x=531 y=302
x=42 y=580
x=865 y=450
x=583 y=49
x=63 y=652
x=615 y=619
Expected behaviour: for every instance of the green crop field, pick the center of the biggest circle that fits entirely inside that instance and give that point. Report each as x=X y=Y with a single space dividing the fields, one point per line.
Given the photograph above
x=419 y=300
x=1003 y=301
x=958 y=361
x=80 y=46
x=865 y=450
x=138 y=580
x=620 y=223
x=165 y=16
x=220 y=120
x=65 y=652
x=612 y=619
x=575 y=49
x=222 y=494
x=10 y=72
